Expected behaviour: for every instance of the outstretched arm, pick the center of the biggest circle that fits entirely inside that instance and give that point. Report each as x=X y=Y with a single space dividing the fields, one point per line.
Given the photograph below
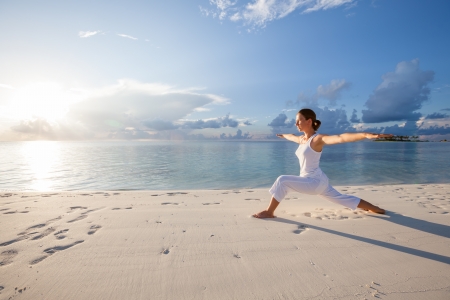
x=349 y=137
x=290 y=137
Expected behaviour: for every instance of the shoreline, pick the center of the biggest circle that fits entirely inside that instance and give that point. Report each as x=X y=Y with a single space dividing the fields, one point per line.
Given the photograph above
x=204 y=244
x=337 y=186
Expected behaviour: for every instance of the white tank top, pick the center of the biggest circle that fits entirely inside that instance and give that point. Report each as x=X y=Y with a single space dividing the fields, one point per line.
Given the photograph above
x=309 y=160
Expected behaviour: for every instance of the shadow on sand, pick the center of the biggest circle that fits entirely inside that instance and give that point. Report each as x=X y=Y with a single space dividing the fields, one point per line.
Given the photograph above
x=425 y=226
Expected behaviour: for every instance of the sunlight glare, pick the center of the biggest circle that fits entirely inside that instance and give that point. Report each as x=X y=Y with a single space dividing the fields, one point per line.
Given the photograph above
x=41 y=100
x=40 y=158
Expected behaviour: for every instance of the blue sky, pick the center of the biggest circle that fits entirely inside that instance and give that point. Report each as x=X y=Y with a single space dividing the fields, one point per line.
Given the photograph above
x=201 y=69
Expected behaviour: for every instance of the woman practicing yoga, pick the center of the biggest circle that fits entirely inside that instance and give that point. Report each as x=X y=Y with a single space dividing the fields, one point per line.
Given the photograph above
x=312 y=180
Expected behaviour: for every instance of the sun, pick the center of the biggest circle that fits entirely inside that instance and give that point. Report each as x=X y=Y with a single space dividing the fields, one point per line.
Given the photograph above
x=48 y=101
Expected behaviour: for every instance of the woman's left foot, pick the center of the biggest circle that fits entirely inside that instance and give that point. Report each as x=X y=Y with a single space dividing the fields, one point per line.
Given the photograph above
x=376 y=210
x=264 y=214
x=370 y=207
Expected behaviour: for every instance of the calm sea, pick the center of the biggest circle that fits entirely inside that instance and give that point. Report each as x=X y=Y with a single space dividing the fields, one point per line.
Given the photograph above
x=46 y=166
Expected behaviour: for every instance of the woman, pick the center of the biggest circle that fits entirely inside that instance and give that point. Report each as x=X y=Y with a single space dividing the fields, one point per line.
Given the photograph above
x=312 y=180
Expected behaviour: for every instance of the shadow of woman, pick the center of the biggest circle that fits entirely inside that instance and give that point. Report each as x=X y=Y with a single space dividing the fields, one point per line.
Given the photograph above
x=429 y=227
x=418 y=224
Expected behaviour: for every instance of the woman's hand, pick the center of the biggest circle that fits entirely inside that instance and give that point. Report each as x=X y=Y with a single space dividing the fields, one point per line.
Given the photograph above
x=377 y=136
x=289 y=137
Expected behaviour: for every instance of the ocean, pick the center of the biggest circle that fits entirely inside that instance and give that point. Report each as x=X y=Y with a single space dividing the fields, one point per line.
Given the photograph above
x=168 y=165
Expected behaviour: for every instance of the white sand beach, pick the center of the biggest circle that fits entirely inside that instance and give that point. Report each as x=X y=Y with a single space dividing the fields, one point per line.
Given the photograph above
x=204 y=244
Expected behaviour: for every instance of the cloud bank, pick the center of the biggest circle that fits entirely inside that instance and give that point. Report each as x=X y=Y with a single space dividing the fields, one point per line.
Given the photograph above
x=226 y=121
x=400 y=94
x=334 y=121
x=237 y=136
x=436 y=115
x=258 y=13
x=128 y=109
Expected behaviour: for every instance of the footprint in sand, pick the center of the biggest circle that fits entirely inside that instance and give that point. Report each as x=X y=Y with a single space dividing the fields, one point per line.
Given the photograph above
x=91 y=210
x=77 y=219
x=33 y=228
x=44 y=234
x=118 y=208
x=7 y=256
x=254 y=199
x=73 y=208
x=61 y=234
x=93 y=229
x=3 y=209
x=16 y=212
x=300 y=229
x=21 y=238
x=39 y=225
x=165 y=251
x=332 y=214
x=176 y=193
x=30 y=231
x=53 y=250
x=210 y=203
x=169 y=203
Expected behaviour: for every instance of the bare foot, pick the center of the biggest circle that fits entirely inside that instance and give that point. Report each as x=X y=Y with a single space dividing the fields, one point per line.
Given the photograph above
x=370 y=207
x=264 y=214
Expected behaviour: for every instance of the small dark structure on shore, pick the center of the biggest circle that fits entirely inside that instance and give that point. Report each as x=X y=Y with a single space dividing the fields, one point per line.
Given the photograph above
x=400 y=138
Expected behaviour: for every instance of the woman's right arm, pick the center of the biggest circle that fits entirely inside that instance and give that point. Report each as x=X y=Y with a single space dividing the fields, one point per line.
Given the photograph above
x=290 y=137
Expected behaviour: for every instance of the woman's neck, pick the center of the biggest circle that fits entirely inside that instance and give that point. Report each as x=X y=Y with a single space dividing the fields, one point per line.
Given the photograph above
x=309 y=133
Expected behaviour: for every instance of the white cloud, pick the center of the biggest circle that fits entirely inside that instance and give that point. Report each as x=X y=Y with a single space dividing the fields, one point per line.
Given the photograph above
x=333 y=90
x=112 y=109
x=130 y=103
x=201 y=109
x=399 y=95
x=127 y=36
x=85 y=34
x=6 y=86
x=327 y=4
x=257 y=13
x=330 y=92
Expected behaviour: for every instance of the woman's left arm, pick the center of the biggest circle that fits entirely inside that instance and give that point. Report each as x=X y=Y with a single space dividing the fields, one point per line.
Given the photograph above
x=349 y=137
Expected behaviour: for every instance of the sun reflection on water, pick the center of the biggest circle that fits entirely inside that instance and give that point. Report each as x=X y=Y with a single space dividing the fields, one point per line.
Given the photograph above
x=40 y=160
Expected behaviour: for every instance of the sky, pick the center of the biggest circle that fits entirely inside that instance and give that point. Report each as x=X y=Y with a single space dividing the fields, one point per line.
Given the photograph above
x=222 y=69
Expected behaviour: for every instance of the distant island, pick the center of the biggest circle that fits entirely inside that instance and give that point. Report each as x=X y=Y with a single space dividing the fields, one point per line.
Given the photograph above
x=400 y=138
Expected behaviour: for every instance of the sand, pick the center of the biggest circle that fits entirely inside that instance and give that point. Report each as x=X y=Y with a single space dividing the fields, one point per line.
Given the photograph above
x=204 y=244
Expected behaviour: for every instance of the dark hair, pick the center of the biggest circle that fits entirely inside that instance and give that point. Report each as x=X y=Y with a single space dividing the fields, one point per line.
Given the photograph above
x=310 y=114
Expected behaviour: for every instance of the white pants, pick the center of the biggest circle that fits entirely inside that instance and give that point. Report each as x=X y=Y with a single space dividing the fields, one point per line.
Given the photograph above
x=289 y=183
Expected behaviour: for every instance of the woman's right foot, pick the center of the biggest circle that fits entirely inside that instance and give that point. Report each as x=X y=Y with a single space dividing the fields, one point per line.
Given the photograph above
x=264 y=214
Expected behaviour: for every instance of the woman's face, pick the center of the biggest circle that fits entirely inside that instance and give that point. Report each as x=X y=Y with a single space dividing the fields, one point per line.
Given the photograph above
x=302 y=123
